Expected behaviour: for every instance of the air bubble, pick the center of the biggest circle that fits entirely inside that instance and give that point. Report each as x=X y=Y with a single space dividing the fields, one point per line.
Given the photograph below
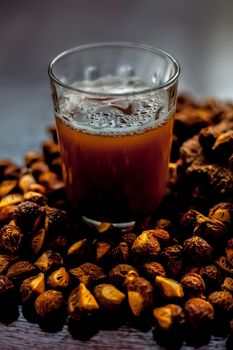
x=91 y=73
x=113 y=116
x=125 y=72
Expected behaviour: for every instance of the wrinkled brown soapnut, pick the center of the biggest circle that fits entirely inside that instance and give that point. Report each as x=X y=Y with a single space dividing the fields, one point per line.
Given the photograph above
x=200 y=313
x=197 y=249
x=222 y=302
x=88 y=274
x=172 y=252
x=140 y=294
x=188 y=221
x=169 y=316
x=208 y=228
x=49 y=303
x=120 y=253
x=145 y=246
x=211 y=276
x=193 y=285
x=32 y=287
x=59 y=279
x=216 y=179
x=152 y=269
x=48 y=260
x=169 y=288
x=129 y=238
x=11 y=238
x=81 y=302
x=55 y=219
x=120 y=272
x=108 y=296
x=191 y=151
x=28 y=216
x=162 y=235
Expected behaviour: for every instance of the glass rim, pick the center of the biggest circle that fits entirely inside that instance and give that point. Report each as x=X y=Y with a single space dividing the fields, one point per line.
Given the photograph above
x=163 y=53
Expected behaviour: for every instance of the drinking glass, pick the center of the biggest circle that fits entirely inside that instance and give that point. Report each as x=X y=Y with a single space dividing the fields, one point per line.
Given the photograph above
x=114 y=105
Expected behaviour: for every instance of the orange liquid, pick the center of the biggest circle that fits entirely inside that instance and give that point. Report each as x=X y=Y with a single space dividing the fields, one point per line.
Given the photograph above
x=115 y=178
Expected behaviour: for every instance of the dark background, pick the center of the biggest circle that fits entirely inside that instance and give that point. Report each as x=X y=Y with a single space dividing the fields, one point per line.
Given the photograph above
x=199 y=33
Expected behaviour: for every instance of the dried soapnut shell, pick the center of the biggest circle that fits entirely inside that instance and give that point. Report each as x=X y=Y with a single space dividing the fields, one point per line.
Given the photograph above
x=108 y=296
x=227 y=285
x=81 y=302
x=25 y=182
x=88 y=273
x=119 y=273
x=145 y=246
x=6 y=260
x=11 y=238
x=59 y=279
x=10 y=199
x=169 y=287
x=48 y=260
x=20 y=269
x=6 y=213
x=224 y=265
x=79 y=250
x=169 y=316
x=102 y=250
x=32 y=287
x=37 y=240
x=140 y=294
x=6 y=285
x=49 y=302
x=7 y=187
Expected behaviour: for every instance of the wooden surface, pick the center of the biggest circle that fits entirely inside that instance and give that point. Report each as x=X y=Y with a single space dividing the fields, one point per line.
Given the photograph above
x=23 y=335
x=32 y=33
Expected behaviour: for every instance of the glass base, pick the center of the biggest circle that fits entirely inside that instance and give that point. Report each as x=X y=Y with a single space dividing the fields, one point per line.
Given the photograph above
x=96 y=223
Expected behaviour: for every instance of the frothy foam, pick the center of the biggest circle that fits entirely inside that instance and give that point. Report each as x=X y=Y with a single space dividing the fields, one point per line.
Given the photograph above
x=112 y=116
